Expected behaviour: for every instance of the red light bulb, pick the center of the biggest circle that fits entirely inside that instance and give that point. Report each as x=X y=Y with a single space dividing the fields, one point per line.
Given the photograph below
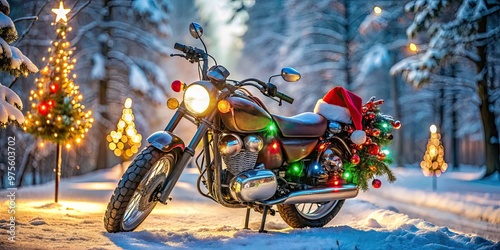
x=53 y=88
x=177 y=86
x=50 y=103
x=43 y=109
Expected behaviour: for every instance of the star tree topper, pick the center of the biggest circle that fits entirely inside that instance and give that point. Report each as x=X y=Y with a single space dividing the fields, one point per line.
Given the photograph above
x=61 y=13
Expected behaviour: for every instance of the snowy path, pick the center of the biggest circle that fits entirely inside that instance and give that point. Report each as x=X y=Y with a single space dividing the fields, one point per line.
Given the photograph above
x=192 y=222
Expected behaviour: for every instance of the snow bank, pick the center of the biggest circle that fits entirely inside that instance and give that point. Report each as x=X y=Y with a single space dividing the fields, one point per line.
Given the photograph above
x=458 y=193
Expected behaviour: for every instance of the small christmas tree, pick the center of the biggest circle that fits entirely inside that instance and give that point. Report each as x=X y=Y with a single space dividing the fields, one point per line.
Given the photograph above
x=15 y=63
x=125 y=141
x=433 y=163
x=371 y=159
x=56 y=113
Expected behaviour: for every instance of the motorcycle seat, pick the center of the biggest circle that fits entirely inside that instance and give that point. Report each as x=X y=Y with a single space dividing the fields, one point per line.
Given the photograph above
x=307 y=124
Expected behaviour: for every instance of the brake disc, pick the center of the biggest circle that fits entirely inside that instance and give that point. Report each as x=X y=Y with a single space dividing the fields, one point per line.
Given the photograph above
x=150 y=189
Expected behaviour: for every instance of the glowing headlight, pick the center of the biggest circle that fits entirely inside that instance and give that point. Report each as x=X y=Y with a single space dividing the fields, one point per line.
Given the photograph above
x=196 y=99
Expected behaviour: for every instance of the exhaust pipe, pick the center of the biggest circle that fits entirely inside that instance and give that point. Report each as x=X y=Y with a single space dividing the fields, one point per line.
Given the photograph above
x=316 y=195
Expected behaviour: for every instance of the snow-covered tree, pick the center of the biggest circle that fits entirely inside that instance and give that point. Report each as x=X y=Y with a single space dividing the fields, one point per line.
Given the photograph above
x=318 y=45
x=469 y=34
x=124 y=43
x=264 y=36
x=14 y=62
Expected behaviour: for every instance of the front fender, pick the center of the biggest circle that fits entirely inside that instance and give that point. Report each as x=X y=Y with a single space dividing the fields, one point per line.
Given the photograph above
x=166 y=141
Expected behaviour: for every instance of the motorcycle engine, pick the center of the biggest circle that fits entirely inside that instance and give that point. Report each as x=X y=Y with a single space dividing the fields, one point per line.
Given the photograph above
x=239 y=155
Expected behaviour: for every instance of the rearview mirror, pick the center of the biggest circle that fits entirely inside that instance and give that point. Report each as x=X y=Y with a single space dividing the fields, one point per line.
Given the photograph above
x=195 y=30
x=290 y=74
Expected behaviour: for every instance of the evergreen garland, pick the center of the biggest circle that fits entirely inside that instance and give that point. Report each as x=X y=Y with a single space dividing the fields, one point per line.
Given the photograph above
x=369 y=159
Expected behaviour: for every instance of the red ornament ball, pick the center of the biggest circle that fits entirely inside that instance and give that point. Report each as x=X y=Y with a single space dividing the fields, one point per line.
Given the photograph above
x=376 y=183
x=396 y=124
x=368 y=141
x=364 y=109
x=381 y=156
x=373 y=149
x=53 y=88
x=43 y=108
x=355 y=159
x=349 y=129
x=376 y=132
x=50 y=103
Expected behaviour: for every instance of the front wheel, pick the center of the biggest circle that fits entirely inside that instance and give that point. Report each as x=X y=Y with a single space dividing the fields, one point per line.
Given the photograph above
x=309 y=214
x=135 y=196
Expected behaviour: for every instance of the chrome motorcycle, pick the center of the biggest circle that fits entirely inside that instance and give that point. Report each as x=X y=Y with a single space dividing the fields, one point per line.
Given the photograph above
x=250 y=158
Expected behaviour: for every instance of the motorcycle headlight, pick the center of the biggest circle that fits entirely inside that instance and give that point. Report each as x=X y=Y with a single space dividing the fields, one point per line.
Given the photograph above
x=199 y=98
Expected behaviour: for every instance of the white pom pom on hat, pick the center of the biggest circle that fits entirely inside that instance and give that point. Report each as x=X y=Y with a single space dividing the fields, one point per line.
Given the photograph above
x=344 y=106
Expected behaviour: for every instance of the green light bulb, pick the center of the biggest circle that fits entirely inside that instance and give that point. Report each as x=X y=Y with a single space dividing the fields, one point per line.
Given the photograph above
x=347 y=175
x=272 y=127
x=296 y=169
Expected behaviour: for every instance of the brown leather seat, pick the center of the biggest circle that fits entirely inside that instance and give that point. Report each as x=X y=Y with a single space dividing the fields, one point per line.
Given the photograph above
x=302 y=125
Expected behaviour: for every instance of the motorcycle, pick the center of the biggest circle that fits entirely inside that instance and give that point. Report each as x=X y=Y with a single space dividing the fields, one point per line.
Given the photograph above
x=250 y=158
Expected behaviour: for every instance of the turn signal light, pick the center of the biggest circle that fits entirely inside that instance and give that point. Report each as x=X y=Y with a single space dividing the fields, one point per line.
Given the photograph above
x=172 y=103
x=224 y=106
x=177 y=86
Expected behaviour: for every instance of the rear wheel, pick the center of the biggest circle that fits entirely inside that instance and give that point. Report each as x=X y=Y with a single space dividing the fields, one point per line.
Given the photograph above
x=309 y=214
x=135 y=196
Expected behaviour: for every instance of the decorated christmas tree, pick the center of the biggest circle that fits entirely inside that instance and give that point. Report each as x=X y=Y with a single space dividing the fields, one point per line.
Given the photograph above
x=433 y=163
x=371 y=158
x=13 y=62
x=367 y=131
x=125 y=141
x=56 y=113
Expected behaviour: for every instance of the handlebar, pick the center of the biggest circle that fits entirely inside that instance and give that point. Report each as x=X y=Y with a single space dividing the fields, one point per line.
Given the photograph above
x=194 y=54
x=181 y=47
x=284 y=97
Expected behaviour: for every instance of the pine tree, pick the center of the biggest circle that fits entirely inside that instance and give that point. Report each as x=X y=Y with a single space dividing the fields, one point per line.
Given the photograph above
x=469 y=34
x=56 y=113
x=15 y=63
x=125 y=141
x=433 y=163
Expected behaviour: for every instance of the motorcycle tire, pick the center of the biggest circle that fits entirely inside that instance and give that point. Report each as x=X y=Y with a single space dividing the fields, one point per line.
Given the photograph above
x=296 y=217
x=133 y=200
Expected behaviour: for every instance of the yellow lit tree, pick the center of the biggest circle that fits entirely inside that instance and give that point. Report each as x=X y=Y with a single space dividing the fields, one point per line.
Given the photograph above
x=125 y=141
x=56 y=113
x=433 y=163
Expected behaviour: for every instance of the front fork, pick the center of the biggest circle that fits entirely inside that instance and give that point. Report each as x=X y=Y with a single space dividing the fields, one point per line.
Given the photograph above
x=187 y=153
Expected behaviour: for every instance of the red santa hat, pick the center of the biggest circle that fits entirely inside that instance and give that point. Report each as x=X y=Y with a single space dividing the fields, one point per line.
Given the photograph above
x=343 y=106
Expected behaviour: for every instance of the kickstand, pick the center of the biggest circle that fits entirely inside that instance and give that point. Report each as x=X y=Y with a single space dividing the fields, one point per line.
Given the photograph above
x=247 y=218
x=263 y=223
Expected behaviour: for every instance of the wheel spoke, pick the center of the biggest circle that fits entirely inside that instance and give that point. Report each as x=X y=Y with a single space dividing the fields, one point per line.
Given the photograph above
x=315 y=210
x=310 y=207
x=139 y=205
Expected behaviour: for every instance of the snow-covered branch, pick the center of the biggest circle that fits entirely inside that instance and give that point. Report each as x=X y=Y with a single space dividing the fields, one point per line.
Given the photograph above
x=10 y=106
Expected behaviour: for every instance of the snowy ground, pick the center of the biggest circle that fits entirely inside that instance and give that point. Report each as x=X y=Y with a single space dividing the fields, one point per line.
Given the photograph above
x=463 y=214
